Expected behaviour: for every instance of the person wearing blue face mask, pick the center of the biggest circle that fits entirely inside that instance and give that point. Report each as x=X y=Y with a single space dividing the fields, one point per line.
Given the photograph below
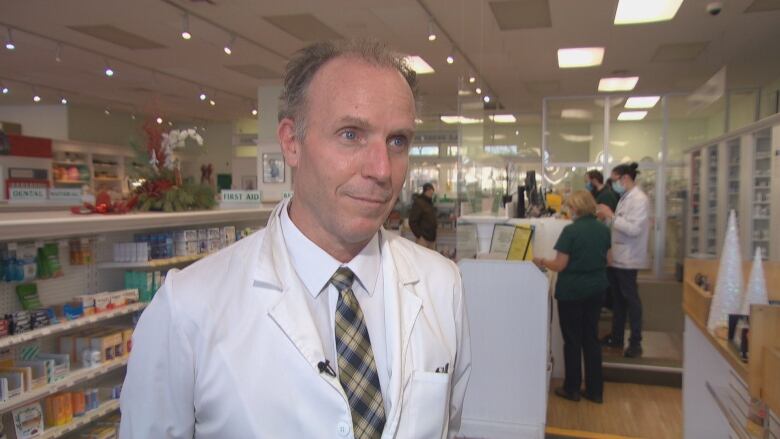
x=630 y=224
x=602 y=192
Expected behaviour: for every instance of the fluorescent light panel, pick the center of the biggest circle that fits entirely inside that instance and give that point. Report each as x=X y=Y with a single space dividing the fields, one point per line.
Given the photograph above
x=580 y=57
x=460 y=119
x=575 y=113
x=419 y=65
x=618 y=84
x=632 y=115
x=503 y=118
x=642 y=102
x=645 y=11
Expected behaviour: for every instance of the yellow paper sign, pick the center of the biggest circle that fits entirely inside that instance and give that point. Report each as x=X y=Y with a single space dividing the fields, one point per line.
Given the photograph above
x=521 y=248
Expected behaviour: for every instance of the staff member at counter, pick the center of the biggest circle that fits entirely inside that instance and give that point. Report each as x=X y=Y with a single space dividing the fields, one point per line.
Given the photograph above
x=630 y=225
x=583 y=252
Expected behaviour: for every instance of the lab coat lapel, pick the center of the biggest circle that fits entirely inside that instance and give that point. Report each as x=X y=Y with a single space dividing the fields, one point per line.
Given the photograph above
x=291 y=312
x=402 y=307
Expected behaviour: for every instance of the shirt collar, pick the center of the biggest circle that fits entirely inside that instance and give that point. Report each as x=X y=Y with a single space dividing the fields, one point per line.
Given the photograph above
x=315 y=266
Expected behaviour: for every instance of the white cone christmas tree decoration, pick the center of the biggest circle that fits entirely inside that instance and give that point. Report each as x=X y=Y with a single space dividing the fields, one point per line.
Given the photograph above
x=728 y=289
x=755 y=293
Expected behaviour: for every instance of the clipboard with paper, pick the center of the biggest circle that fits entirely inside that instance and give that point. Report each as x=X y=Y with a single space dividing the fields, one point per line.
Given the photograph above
x=521 y=248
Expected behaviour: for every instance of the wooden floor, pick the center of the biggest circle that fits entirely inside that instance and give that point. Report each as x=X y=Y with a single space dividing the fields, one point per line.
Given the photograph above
x=632 y=410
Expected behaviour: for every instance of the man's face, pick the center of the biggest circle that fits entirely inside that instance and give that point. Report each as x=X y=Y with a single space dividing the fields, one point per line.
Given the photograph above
x=429 y=193
x=352 y=164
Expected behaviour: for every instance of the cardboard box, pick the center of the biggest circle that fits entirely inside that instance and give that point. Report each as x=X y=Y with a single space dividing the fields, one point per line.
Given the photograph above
x=110 y=345
x=87 y=303
x=25 y=422
x=102 y=300
x=58 y=409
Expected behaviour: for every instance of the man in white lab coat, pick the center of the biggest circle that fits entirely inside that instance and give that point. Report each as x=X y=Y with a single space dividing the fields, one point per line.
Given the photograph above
x=321 y=325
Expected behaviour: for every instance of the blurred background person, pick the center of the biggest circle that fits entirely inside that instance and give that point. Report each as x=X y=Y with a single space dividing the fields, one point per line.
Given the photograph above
x=422 y=217
x=630 y=226
x=583 y=253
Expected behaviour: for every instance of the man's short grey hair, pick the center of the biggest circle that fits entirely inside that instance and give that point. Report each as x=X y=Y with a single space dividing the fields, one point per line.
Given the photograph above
x=309 y=60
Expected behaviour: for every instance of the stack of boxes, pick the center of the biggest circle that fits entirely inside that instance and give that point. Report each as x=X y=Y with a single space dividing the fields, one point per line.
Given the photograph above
x=92 y=347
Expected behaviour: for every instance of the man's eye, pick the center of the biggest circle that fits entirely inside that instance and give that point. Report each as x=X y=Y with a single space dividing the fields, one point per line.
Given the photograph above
x=398 y=142
x=349 y=134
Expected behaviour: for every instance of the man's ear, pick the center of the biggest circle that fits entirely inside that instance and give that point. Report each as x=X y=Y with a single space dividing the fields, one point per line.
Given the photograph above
x=291 y=148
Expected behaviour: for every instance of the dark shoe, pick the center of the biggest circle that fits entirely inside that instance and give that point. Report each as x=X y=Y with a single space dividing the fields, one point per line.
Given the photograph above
x=560 y=391
x=609 y=342
x=596 y=399
x=633 y=351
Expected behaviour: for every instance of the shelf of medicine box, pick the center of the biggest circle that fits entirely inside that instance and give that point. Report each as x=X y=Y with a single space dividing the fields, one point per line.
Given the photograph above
x=59 y=328
x=74 y=378
x=87 y=418
x=154 y=263
x=17 y=226
x=71 y=181
x=67 y=163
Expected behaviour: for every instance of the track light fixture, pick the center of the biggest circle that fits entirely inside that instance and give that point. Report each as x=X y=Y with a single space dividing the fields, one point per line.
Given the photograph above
x=36 y=97
x=254 y=111
x=185 y=27
x=202 y=95
x=431 y=31
x=107 y=111
x=472 y=79
x=159 y=120
x=9 y=42
x=212 y=103
x=450 y=58
x=58 y=53
x=229 y=46
x=486 y=99
x=63 y=100
x=478 y=91
x=4 y=88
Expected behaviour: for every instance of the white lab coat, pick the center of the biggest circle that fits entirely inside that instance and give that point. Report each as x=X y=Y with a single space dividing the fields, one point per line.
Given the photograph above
x=228 y=349
x=631 y=230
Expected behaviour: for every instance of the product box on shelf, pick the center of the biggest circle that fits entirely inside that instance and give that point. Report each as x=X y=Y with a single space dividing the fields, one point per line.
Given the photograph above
x=25 y=371
x=102 y=300
x=24 y=422
x=11 y=385
x=38 y=372
x=59 y=366
x=78 y=402
x=87 y=303
x=58 y=409
x=110 y=345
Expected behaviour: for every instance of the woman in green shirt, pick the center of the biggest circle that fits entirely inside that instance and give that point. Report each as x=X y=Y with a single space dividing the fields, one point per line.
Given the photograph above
x=583 y=253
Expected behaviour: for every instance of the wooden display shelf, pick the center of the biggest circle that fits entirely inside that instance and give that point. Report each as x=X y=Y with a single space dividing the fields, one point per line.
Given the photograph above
x=71 y=181
x=59 y=328
x=74 y=378
x=78 y=422
x=154 y=263
x=108 y=179
x=760 y=372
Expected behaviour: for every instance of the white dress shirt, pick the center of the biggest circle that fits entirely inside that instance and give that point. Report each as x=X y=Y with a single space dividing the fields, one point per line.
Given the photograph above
x=315 y=267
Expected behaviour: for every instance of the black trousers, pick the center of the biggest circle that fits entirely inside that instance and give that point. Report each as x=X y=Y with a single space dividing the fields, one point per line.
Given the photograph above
x=625 y=303
x=579 y=321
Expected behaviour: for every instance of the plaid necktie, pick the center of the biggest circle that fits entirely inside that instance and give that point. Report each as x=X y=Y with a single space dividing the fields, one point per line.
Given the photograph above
x=357 y=369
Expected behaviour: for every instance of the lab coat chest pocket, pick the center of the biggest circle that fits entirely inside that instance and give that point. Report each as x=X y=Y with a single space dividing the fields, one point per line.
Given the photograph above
x=426 y=406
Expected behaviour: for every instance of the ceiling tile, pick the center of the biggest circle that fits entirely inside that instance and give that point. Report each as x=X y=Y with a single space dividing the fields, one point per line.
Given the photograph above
x=117 y=36
x=304 y=27
x=679 y=52
x=521 y=14
x=543 y=88
x=254 y=71
x=764 y=6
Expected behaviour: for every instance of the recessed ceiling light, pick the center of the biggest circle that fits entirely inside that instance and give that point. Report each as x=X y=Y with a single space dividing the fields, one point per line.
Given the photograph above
x=450 y=59
x=202 y=96
x=580 y=57
x=645 y=11
x=418 y=121
x=642 y=101
x=254 y=112
x=159 y=120
x=185 y=27
x=503 y=118
x=212 y=103
x=5 y=90
x=64 y=100
x=478 y=90
x=36 y=98
x=618 y=84
x=464 y=92
x=576 y=113
x=486 y=99
x=632 y=115
x=472 y=79
x=108 y=71
x=419 y=65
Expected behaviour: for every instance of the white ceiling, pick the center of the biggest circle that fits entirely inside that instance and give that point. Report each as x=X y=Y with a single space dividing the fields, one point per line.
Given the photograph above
x=519 y=66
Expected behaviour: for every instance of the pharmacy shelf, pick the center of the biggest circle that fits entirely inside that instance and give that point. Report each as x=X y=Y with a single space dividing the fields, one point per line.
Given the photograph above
x=154 y=263
x=59 y=328
x=78 y=422
x=72 y=379
x=17 y=226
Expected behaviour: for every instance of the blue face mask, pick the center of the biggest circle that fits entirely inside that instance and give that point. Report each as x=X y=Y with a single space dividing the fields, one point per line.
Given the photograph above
x=617 y=186
x=589 y=186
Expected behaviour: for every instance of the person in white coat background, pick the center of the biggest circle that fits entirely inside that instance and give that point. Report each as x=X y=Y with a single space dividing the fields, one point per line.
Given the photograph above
x=321 y=325
x=630 y=224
